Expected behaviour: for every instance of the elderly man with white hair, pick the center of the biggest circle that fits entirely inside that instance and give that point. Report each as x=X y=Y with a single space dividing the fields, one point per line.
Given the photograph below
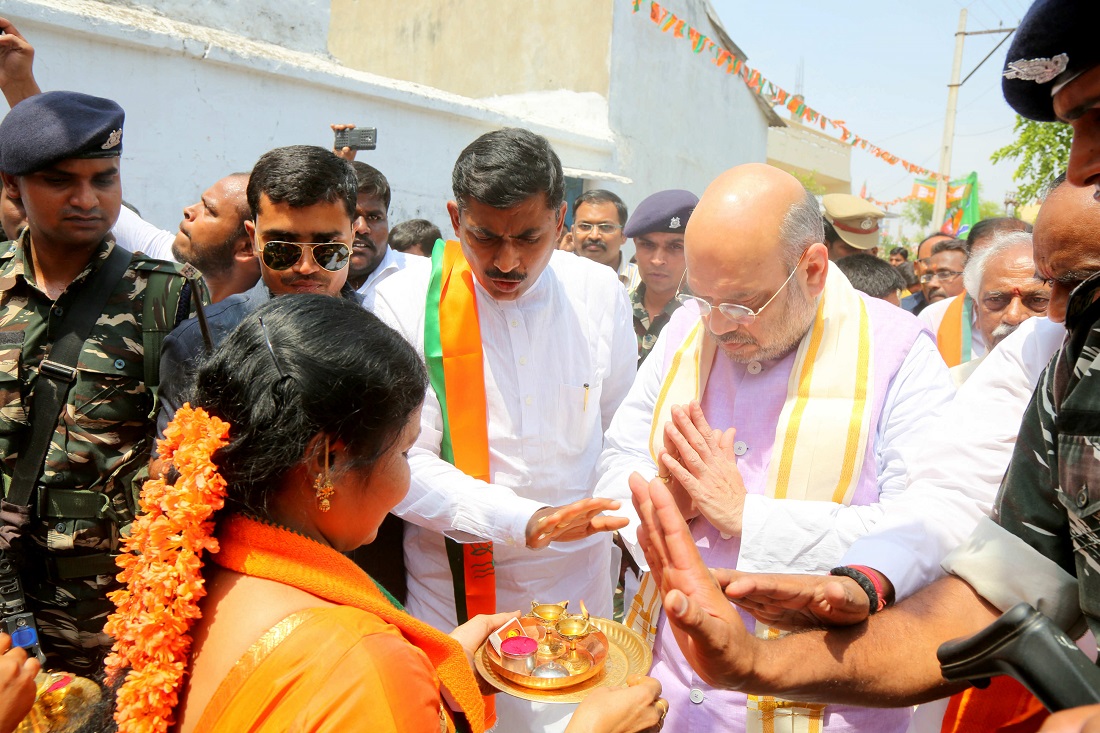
x=1001 y=281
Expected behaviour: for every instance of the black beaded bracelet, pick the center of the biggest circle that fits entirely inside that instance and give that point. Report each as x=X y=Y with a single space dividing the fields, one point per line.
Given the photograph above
x=864 y=583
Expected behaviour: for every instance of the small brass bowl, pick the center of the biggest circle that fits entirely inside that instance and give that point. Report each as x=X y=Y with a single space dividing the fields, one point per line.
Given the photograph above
x=547 y=613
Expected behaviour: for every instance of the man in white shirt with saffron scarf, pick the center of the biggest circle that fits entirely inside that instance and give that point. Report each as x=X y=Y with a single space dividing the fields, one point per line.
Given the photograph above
x=529 y=351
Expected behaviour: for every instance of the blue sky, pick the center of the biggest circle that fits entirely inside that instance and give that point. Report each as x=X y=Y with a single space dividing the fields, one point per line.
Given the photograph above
x=883 y=67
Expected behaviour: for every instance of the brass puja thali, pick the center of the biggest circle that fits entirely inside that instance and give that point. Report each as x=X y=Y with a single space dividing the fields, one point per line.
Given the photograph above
x=553 y=656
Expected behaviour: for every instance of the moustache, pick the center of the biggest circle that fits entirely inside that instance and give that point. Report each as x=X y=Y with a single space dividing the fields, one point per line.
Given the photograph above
x=734 y=337
x=495 y=274
x=93 y=213
x=1003 y=330
x=296 y=279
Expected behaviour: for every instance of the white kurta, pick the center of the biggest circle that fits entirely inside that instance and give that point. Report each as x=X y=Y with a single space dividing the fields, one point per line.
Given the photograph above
x=392 y=262
x=777 y=532
x=779 y=535
x=955 y=474
x=932 y=316
x=558 y=361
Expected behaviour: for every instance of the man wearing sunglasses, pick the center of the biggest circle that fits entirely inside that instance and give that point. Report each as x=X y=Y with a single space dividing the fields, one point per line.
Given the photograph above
x=302 y=202
x=777 y=406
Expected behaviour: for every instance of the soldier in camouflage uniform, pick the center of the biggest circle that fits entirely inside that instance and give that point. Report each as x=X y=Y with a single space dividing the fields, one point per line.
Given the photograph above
x=657 y=227
x=648 y=329
x=67 y=177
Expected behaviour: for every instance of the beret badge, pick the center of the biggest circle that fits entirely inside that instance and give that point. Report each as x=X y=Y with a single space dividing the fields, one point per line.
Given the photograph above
x=1039 y=71
x=113 y=140
x=674 y=223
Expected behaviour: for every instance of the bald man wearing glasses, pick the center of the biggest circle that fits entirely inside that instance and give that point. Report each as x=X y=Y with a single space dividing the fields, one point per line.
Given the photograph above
x=302 y=201
x=776 y=405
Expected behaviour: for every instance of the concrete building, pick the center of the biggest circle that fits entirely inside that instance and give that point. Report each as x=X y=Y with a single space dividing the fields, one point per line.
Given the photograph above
x=812 y=156
x=209 y=86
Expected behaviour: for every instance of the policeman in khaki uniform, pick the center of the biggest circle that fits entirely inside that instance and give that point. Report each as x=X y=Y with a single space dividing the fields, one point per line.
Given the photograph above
x=59 y=157
x=851 y=225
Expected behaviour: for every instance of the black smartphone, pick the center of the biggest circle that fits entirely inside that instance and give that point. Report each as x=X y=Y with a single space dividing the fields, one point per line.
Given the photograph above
x=359 y=138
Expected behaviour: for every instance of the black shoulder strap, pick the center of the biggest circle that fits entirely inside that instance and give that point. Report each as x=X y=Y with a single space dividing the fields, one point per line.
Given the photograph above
x=57 y=372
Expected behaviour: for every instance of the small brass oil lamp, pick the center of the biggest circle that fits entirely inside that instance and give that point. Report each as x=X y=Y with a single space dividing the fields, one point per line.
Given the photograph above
x=573 y=628
x=547 y=615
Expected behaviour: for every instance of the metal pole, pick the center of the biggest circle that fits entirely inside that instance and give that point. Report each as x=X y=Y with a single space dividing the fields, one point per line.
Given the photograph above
x=940 y=206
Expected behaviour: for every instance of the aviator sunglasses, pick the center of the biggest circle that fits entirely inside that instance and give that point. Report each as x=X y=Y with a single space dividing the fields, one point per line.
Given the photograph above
x=332 y=256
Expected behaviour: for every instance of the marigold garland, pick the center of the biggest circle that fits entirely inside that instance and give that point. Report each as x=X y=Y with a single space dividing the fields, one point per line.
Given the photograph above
x=162 y=571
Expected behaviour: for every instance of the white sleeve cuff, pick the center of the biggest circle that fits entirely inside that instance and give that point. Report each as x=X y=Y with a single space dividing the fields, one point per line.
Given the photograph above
x=509 y=523
x=1005 y=571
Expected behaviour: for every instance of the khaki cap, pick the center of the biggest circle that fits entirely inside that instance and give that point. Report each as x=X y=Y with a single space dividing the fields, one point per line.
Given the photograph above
x=855 y=220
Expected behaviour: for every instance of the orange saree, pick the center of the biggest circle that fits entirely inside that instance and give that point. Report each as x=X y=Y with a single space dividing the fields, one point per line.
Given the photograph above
x=362 y=666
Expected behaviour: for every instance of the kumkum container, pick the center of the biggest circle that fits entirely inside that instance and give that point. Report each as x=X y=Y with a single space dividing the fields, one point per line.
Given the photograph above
x=517 y=654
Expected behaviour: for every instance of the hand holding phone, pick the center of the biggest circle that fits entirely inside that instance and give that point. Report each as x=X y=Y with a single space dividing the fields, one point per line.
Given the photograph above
x=358 y=138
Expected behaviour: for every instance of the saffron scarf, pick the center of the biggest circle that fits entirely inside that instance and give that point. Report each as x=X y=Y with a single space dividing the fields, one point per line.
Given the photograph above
x=954 y=334
x=818 y=449
x=262 y=550
x=453 y=354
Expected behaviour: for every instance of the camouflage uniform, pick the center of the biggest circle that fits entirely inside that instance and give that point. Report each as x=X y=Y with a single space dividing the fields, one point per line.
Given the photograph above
x=646 y=330
x=1050 y=497
x=104 y=436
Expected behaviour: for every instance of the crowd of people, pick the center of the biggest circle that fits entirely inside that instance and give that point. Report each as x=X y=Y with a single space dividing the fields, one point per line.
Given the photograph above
x=289 y=467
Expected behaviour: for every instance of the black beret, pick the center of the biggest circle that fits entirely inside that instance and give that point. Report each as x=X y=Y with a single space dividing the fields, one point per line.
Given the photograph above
x=664 y=211
x=49 y=127
x=1054 y=42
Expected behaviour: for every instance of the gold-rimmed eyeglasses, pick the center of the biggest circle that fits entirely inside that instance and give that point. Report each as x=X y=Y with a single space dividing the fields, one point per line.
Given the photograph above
x=742 y=315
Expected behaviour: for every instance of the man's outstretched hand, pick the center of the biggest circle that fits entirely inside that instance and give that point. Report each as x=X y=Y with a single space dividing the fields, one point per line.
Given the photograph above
x=572 y=522
x=707 y=627
x=793 y=602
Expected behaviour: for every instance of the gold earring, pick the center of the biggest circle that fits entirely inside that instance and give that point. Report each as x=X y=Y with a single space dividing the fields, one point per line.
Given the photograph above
x=322 y=485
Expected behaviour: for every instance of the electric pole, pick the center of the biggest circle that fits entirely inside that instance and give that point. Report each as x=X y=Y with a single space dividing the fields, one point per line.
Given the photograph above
x=940 y=207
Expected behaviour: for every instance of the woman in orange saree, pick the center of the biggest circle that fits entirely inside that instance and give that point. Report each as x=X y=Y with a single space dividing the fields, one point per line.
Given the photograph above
x=292 y=456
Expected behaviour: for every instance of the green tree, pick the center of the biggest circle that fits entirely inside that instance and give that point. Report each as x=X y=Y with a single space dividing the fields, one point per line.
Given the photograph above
x=1042 y=148
x=918 y=212
x=990 y=209
x=809 y=180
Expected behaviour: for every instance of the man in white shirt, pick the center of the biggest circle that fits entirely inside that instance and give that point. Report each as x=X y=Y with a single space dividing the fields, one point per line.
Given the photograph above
x=1004 y=289
x=820 y=430
x=552 y=342
x=598 y=220
x=948 y=263
x=372 y=259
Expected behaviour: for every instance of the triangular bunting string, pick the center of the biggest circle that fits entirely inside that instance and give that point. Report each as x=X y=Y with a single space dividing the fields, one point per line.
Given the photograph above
x=759 y=85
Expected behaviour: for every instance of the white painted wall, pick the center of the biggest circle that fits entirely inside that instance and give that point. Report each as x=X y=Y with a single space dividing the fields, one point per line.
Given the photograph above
x=206 y=100
x=202 y=103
